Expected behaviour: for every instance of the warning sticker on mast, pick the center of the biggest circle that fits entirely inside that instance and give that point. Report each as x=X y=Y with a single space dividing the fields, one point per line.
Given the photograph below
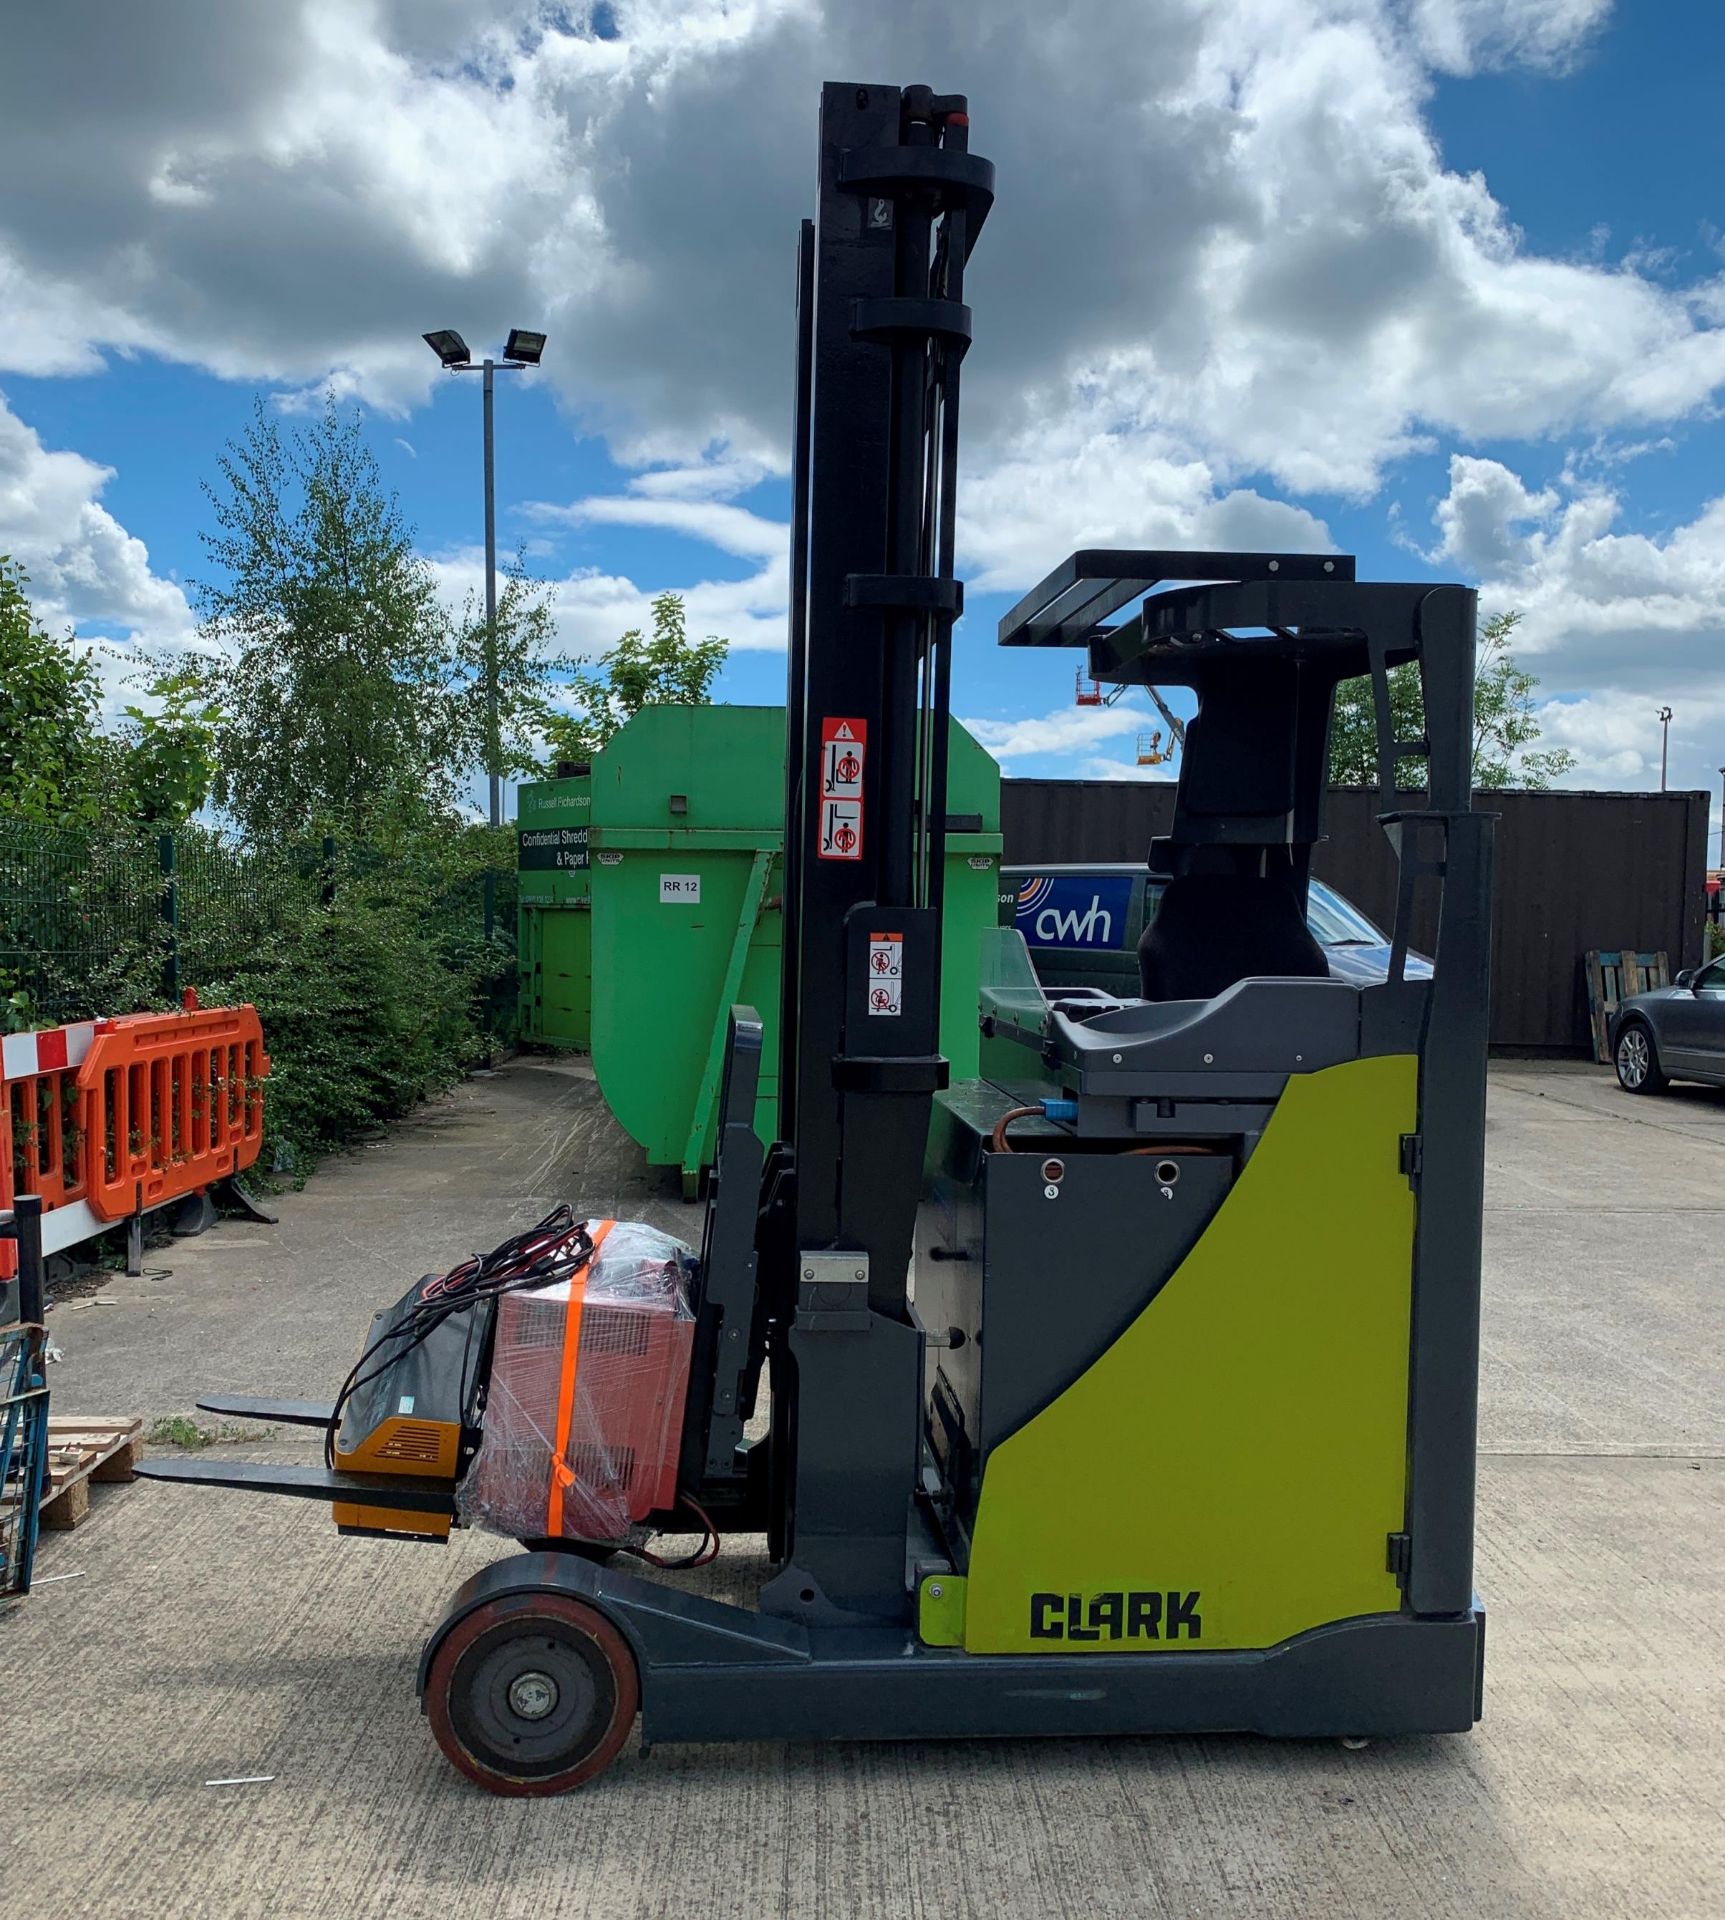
x=886 y=973
x=844 y=747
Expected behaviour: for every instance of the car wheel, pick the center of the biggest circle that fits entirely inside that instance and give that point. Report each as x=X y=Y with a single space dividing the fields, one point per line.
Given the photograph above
x=1637 y=1059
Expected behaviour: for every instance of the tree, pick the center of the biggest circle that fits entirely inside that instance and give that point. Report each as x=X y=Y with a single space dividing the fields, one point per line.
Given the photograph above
x=528 y=672
x=52 y=759
x=664 y=669
x=1505 y=723
x=336 y=688
x=170 y=749
x=57 y=766
x=1354 y=728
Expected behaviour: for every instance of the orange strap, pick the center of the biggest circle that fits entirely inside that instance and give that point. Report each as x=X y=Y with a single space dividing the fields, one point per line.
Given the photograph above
x=562 y=1474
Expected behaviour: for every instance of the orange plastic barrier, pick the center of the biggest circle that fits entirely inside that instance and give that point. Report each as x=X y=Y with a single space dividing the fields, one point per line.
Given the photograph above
x=113 y=1117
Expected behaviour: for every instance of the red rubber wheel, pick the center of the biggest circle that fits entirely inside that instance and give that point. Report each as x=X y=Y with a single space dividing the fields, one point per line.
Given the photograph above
x=534 y=1693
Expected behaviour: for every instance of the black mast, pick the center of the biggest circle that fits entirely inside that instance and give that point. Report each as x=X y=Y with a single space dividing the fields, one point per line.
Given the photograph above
x=882 y=331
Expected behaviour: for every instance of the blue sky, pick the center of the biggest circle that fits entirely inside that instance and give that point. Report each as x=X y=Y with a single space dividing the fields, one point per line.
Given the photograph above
x=1439 y=281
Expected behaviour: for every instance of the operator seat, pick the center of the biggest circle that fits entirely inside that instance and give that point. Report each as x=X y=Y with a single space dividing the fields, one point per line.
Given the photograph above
x=1214 y=929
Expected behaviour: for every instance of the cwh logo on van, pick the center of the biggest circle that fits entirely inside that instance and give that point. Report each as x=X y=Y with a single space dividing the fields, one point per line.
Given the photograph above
x=1073 y=910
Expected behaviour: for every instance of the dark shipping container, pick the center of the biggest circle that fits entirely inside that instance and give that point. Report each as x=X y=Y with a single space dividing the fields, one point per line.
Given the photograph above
x=1574 y=871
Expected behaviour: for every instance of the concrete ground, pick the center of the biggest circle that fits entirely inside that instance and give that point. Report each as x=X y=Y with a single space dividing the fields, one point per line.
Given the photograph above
x=214 y=1634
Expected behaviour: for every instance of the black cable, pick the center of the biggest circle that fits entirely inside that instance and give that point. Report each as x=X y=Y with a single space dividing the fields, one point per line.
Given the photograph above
x=556 y=1249
x=704 y=1555
x=554 y=1256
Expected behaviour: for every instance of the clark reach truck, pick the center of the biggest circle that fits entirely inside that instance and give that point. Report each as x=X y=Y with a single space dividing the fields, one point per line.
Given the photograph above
x=1129 y=1387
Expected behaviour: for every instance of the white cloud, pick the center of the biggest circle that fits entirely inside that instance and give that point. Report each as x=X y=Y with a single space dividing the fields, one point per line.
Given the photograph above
x=1615 y=623
x=1486 y=518
x=732 y=529
x=1614 y=737
x=732 y=463
x=750 y=613
x=1085 y=479
x=1100 y=767
x=49 y=327
x=1072 y=737
x=1464 y=36
x=590 y=608
x=1601 y=606
x=289 y=193
x=1273 y=273
x=1358 y=296
x=85 y=569
x=1065 y=731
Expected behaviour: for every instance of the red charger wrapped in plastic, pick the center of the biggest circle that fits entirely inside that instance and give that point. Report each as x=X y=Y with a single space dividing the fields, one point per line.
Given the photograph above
x=584 y=1411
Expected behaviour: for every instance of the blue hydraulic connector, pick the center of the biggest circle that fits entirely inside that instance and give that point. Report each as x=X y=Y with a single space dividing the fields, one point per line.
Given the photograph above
x=1066 y=1110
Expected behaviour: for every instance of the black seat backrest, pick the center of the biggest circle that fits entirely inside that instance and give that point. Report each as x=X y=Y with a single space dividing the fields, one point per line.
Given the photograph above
x=1213 y=929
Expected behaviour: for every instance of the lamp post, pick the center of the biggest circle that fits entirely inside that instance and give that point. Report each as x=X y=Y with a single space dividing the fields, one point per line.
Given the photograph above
x=1722 y=819
x=522 y=349
x=1664 y=743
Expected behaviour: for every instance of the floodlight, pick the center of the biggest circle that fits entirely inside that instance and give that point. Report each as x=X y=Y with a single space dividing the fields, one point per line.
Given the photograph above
x=449 y=347
x=524 y=345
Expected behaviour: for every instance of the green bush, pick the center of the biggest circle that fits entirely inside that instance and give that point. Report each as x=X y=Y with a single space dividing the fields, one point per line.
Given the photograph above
x=369 y=967
x=374 y=1000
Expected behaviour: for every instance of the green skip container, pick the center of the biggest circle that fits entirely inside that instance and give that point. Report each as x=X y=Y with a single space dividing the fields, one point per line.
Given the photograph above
x=554 y=921
x=687 y=879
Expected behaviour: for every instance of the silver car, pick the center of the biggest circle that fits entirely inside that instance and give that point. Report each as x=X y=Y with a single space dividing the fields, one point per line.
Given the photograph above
x=1082 y=924
x=1672 y=1033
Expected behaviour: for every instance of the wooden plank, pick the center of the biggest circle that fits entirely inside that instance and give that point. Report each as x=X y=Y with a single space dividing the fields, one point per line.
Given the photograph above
x=1595 y=993
x=70 y=1424
x=1598 y=1001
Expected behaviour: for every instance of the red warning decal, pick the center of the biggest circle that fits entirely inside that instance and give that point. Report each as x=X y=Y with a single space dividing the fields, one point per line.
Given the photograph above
x=844 y=748
x=886 y=973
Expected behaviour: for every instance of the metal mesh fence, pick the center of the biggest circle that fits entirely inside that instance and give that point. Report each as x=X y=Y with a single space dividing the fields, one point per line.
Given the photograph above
x=116 y=919
x=225 y=899
x=80 y=922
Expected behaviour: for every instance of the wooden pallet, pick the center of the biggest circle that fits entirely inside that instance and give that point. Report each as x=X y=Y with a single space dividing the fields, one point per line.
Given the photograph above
x=1611 y=979
x=80 y=1452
